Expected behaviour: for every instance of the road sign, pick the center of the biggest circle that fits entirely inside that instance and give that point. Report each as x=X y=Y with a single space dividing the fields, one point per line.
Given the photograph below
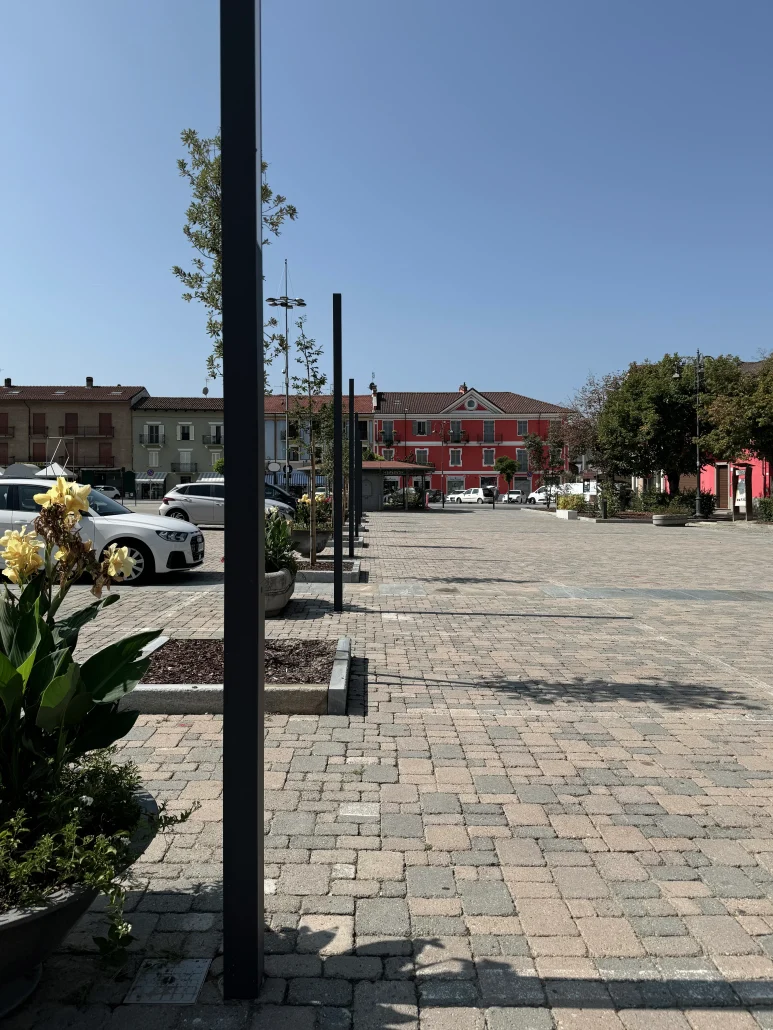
x=150 y=473
x=273 y=466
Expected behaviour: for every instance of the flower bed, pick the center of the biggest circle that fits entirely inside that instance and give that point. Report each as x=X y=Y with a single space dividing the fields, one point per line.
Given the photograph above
x=201 y=661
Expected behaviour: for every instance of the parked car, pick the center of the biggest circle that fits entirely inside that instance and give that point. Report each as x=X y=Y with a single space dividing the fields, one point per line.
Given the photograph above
x=108 y=491
x=514 y=497
x=277 y=493
x=284 y=509
x=455 y=497
x=155 y=545
x=542 y=495
x=200 y=503
x=476 y=495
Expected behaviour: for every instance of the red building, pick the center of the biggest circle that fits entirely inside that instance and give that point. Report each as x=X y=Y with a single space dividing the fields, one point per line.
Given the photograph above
x=461 y=434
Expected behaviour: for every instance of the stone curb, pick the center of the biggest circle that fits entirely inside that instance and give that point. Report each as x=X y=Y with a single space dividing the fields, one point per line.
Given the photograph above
x=280 y=698
x=326 y=575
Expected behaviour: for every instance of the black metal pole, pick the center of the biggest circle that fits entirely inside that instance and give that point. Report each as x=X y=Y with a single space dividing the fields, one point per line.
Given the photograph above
x=358 y=472
x=352 y=444
x=338 y=462
x=242 y=307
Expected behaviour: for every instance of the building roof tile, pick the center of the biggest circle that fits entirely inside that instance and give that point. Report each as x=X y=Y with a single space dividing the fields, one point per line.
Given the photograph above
x=69 y=393
x=396 y=403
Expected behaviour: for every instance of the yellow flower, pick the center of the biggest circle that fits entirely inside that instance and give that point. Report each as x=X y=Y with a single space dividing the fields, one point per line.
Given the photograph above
x=73 y=498
x=21 y=553
x=119 y=564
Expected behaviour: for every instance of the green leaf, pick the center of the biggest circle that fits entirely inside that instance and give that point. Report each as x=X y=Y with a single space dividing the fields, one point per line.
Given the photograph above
x=11 y=684
x=102 y=727
x=26 y=667
x=31 y=593
x=78 y=708
x=56 y=697
x=44 y=670
x=112 y=672
x=24 y=638
x=66 y=631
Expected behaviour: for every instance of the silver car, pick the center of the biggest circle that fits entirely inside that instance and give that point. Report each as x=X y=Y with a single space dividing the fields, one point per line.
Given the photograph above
x=203 y=504
x=199 y=503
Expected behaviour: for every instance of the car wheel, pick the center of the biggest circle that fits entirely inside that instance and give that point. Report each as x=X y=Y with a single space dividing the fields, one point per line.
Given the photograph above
x=480 y=500
x=178 y=513
x=144 y=566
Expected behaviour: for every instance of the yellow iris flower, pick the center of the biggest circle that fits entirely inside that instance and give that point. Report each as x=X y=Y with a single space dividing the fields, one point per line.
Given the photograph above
x=20 y=551
x=119 y=564
x=73 y=498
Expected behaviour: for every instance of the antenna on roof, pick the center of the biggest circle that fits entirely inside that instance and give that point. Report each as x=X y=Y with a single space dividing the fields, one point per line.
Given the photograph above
x=205 y=391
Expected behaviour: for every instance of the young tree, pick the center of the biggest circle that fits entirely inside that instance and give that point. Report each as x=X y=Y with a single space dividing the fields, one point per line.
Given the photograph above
x=507 y=468
x=740 y=413
x=204 y=282
x=309 y=385
x=581 y=424
x=547 y=453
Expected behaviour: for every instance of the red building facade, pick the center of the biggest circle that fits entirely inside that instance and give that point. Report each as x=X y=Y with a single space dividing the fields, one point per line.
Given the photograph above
x=461 y=434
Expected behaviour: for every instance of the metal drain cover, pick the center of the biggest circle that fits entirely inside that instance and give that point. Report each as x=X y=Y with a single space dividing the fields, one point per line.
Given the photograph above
x=168 y=983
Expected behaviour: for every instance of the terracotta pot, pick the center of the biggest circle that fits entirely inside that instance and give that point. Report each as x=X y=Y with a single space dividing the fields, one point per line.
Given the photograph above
x=302 y=540
x=278 y=588
x=28 y=936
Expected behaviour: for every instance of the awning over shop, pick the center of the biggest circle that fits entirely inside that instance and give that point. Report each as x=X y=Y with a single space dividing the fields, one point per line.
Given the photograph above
x=157 y=477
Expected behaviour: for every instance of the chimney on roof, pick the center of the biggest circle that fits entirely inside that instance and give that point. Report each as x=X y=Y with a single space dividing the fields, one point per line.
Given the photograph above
x=89 y=381
x=8 y=381
x=463 y=388
x=374 y=395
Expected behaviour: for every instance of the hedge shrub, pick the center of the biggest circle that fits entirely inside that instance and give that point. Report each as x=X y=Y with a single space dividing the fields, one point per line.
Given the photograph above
x=571 y=502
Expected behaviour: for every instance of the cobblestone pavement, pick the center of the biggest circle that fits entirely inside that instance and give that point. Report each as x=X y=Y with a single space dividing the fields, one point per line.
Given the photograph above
x=549 y=805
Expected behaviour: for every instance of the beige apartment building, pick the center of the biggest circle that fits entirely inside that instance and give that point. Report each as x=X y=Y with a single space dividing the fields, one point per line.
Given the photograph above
x=85 y=427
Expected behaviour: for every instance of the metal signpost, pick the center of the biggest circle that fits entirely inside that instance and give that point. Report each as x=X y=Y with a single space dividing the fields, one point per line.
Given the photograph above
x=242 y=310
x=353 y=442
x=338 y=463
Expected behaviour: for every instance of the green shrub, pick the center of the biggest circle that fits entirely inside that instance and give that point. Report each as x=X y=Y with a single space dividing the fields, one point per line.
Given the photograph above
x=764 y=509
x=708 y=501
x=571 y=502
x=279 y=552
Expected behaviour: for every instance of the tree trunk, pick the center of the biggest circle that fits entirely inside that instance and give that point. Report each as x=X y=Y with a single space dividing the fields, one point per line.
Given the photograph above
x=313 y=508
x=673 y=482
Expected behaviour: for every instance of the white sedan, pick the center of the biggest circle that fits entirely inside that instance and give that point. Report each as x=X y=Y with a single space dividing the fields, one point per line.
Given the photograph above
x=155 y=544
x=455 y=497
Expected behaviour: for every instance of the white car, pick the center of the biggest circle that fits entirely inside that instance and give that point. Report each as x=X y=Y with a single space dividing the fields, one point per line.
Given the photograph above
x=200 y=503
x=475 y=495
x=455 y=497
x=541 y=496
x=109 y=491
x=284 y=509
x=155 y=544
x=514 y=497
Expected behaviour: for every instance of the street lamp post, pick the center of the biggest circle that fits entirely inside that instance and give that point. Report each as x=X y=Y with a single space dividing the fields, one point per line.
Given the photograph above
x=288 y=303
x=698 y=370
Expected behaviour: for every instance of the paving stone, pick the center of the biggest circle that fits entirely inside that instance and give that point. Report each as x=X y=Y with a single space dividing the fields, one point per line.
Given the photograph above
x=303 y=991
x=730 y=882
x=546 y=918
x=580 y=882
x=519 y=853
x=609 y=936
x=388 y=916
x=486 y=899
x=440 y=803
x=398 y=825
x=508 y=982
x=380 y=865
x=309 y=879
x=430 y=882
x=519 y=1019
x=721 y=934
x=325 y=935
x=385 y=1004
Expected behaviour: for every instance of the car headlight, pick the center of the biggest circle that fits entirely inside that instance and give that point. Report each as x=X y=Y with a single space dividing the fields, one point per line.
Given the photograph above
x=172 y=536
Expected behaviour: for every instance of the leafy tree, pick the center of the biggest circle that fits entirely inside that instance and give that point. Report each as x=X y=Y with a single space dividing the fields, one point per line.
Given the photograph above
x=547 y=453
x=308 y=388
x=204 y=282
x=648 y=422
x=741 y=414
x=219 y=467
x=506 y=467
x=581 y=424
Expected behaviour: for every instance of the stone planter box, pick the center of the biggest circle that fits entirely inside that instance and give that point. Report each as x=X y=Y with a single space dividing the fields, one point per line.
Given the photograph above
x=29 y=936
x=278 y=588
x=302 y=540
x=568 y=513
x=670 y=520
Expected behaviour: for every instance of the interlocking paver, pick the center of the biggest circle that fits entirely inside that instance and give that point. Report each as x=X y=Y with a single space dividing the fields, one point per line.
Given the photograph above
x=552 y=789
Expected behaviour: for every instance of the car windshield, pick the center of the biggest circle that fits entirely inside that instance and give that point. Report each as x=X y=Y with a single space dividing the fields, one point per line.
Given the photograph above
x=102 y=505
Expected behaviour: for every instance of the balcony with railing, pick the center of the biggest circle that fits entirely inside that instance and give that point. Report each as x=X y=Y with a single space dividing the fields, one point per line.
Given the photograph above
x=37 y=431
x=6 y=432
x=153 y=439
x=388 y=439
x=490 y=438
x=457 y=436
x=213 y=439
x=186 y=468
x=73 y=431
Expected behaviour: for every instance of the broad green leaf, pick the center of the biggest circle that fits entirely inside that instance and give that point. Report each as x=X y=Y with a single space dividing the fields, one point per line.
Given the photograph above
x=11 y=685
x=124 y=680
x=43 y=671
x=56 y=697
x=66 y=631
x=78 y=708
x=102 y=727
x=9 y=620
x=32 y=593
x=106 y=671
x=24 y=639
x=26 y=667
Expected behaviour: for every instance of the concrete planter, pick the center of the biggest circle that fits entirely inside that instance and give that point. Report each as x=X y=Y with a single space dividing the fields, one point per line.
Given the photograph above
x=670 y=520
x=278 y=588
x=29 y=936
x=302 y=540
x=568 y=513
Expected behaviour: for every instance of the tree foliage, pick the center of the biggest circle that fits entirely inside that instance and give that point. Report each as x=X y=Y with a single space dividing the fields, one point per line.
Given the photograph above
x=581 y=424
x=741 y=415
x=547 y=454
x=647 y=423
x=507 y=468
x=204 y=281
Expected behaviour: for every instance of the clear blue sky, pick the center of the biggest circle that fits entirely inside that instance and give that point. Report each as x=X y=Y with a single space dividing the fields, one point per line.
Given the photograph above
x=508 y=193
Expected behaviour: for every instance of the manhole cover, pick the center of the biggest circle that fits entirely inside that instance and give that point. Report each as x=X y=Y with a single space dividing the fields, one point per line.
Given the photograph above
x=168 y=983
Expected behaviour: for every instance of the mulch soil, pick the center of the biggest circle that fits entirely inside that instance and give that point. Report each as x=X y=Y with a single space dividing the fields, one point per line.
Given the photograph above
x=201 y=661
